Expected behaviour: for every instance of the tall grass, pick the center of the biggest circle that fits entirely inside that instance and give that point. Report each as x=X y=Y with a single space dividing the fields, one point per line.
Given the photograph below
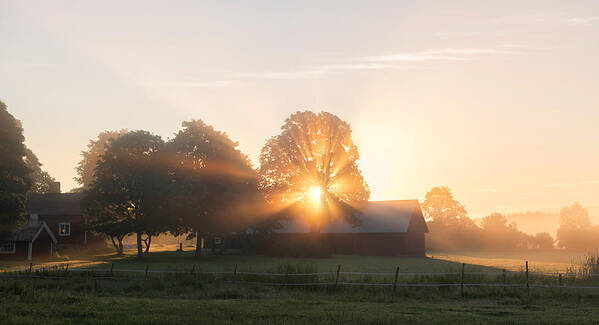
x=588 y=267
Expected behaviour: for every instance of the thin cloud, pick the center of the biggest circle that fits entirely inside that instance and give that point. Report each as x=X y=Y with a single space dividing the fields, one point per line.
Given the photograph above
x=488 y=190
x=444 y=54
x=551 y=19
x=397 y=61
x=323 y=69
x=195 y=84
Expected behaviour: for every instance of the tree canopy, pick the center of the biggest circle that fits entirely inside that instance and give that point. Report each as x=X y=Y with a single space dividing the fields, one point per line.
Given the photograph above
x=40 y=178
x=575 y=229
x=15 y=176
x=440 y=206
x=216 y=186
x=90 y=157
x=310 y=170
x=130 y=188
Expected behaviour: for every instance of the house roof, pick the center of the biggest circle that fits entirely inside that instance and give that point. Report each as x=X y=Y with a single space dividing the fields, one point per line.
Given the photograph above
x=54 y=204
x=378 y=217
x=29 y=232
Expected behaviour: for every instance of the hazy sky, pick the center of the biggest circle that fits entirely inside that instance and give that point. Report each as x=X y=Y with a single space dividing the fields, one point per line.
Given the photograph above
x=497 y=100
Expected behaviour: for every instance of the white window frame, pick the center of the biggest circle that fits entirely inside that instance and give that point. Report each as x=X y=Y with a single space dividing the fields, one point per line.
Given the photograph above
x=66 y=234
x=14 y=248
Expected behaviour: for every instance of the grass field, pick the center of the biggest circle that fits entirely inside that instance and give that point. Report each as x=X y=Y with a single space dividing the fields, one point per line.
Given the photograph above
x=78 y=299
x=553 y=260
x=172 y=260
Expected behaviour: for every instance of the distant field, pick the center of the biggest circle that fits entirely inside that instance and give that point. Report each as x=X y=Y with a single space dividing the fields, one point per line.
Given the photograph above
x=539 y=260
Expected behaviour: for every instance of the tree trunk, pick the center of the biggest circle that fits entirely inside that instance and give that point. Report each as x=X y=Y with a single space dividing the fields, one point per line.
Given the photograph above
x=198 y=245
x=116 y=246
x=148 y=241
x=120 y=240
x=139 y=248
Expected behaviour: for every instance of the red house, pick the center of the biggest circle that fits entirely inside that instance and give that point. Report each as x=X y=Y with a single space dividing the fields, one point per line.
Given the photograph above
x=28 y=242
x=387 y=228
x=62 y=213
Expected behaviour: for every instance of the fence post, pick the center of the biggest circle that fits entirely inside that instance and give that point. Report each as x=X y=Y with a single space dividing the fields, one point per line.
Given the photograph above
x=30 y=266
x=462 y=280
x=504 y=280
x=527 y=283
x=147 y=267
x=66 y=270
x=235 y=274
x=395 y=282
x=337 y=278
x=560 y=283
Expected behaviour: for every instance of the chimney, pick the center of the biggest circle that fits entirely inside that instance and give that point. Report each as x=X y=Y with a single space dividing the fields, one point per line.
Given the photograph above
x=33 y=219
x=54 y=187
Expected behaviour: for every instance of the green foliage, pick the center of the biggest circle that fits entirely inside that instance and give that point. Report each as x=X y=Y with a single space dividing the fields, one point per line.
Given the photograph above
x=41 y=179
x=215 y=186
x=131 y=188
x=15 y=176
x=90 y=157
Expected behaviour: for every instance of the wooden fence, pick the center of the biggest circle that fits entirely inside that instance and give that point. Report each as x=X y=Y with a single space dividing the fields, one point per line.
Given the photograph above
x=336 y=278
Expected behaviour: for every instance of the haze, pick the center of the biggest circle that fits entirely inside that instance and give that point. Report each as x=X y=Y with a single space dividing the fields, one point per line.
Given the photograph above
x=498 y=101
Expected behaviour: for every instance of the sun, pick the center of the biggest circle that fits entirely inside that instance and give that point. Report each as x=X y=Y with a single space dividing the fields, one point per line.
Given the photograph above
x=315 y=193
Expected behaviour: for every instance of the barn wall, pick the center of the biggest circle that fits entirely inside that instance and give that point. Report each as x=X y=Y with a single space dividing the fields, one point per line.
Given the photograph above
x=20 y=252
x=77 y=236
x=381 y=244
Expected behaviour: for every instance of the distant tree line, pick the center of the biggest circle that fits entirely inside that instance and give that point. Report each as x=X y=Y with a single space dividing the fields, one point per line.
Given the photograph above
x=452 y=229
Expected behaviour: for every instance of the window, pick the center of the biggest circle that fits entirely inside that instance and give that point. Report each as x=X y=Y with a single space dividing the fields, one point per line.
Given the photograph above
x=8 y=248
x=64 y=229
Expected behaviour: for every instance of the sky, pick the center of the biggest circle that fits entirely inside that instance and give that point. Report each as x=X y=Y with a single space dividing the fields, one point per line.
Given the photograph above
x=496 y=99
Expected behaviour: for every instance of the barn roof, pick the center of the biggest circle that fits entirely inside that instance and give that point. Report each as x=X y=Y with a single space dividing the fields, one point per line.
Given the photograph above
x=29 y=232
x=378 y=217
x=54 y=204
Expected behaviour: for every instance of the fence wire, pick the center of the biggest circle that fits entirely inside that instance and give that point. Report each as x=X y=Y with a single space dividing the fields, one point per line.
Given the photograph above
x=62 y=273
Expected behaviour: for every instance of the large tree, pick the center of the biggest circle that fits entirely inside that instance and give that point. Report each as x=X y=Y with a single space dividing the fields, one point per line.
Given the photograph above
x=130 y=188
x=448 y=221
x=15 y=176
x=90 y=157
x=575 y=229
x=310 y=170
x=441 y=207
x=41 y=179
x=216 y=186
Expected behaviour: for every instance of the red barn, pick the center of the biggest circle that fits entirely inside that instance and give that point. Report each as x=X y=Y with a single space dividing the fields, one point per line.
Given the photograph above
x=387 y=228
